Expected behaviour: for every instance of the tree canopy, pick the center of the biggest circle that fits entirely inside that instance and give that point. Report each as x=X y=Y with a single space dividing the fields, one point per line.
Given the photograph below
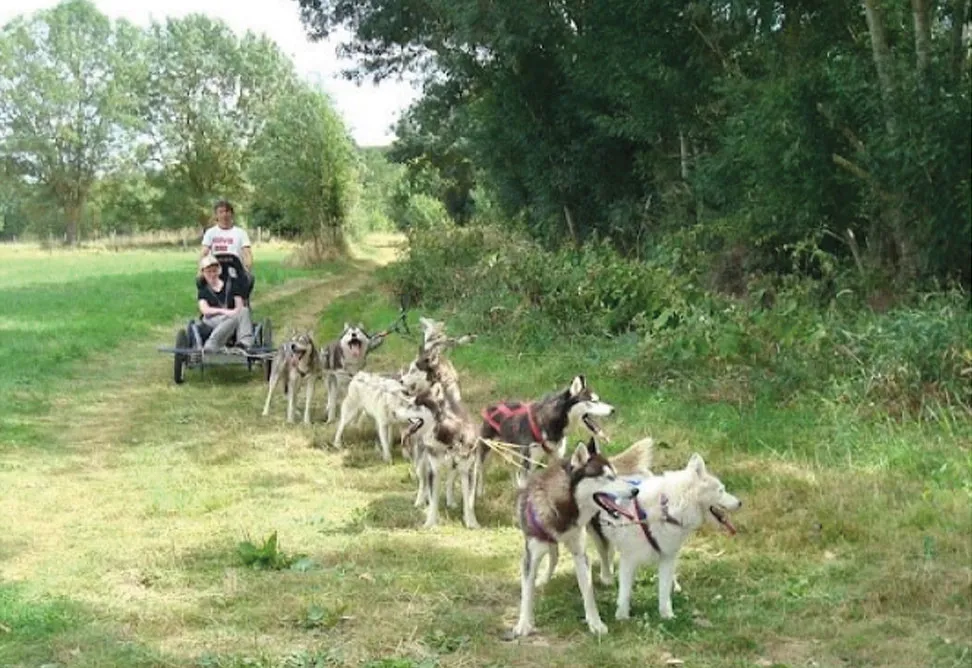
x=757 y=124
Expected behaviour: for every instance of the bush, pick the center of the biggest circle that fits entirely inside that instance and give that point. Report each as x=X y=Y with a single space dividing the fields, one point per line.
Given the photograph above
x=781 y=339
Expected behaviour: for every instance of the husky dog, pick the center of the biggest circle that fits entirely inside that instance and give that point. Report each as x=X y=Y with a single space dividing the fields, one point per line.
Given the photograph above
x=442 y=438
x=379 y=396
x=294 y=360
x=430 y=366
x=344 y=357
x=540 y=427
x=652 y=527
x=636 y=460
x=555 y=506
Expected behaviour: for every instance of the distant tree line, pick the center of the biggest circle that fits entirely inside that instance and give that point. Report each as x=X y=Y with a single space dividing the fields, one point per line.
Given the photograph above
x=109 y=127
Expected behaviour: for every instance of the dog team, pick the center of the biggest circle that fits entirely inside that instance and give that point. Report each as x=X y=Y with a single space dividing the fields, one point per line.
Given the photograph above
x=617 y=500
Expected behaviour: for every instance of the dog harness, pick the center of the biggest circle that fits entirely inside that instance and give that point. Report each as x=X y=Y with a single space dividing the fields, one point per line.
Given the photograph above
x=534 y=527
x=642 y=521
x=504 y=412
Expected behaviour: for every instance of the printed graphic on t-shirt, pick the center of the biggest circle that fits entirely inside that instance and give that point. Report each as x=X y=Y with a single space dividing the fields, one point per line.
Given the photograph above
x=223 y=244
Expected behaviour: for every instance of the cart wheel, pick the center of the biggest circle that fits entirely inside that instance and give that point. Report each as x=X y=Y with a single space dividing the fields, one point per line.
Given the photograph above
x=180 y=359
x=267 y=368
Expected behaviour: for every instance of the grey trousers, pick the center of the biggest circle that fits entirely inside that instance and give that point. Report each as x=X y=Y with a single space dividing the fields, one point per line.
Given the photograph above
x=225 y=325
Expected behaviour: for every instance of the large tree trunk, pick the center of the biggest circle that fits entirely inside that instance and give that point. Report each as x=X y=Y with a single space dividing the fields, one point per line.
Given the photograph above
x=882 y=58
x=894 y=221
x=72 y=214
x=922 y=19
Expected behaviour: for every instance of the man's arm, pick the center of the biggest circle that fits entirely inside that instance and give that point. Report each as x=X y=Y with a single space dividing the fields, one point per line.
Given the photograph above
x=248 y=259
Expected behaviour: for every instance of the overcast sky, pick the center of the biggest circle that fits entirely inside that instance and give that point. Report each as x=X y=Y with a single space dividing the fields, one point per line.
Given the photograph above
x=369 y=111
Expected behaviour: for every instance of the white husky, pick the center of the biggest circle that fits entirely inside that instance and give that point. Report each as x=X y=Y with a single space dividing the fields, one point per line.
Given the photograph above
x=653 y=526
x=382 y=398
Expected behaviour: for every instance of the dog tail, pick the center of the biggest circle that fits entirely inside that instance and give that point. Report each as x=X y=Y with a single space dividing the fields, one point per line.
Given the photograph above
x=637 y=459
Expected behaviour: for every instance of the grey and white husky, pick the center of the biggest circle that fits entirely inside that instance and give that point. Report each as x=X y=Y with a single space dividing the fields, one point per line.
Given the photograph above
x=442 y=440
x=344 y=357
x=296 y=360
x=555 y=506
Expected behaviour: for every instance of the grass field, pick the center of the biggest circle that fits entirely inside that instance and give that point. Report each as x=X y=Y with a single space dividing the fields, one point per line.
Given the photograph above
x=125 y=499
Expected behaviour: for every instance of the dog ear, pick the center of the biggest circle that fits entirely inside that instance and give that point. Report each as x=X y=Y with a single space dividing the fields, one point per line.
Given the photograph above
x=577 y=385
x=347 y=326
x=579 y=458
x=697 y=464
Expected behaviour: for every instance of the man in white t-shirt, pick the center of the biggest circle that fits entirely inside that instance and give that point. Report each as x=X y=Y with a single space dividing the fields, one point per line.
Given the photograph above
x=230 y=245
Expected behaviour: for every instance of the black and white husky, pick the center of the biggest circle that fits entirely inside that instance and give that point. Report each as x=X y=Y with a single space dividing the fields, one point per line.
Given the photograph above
x=555 y=506
x=540 y=427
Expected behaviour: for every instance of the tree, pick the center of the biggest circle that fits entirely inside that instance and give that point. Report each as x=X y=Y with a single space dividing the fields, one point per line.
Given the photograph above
x=303 y=168
x=761 y=122
x=210 y=94
x=68 y=101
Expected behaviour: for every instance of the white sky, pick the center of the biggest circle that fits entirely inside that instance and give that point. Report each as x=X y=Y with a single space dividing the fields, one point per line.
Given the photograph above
x=369 y=111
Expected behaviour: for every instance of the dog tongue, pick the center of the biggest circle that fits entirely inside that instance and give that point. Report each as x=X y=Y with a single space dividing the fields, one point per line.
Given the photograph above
x=728 y=526
x=595 y=428
x=355 y=348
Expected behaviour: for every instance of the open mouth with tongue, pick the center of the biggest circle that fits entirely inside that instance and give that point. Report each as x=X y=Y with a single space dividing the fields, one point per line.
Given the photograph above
x=356 y=347
x=608 y=502
x=722 y=518
x=593 y=427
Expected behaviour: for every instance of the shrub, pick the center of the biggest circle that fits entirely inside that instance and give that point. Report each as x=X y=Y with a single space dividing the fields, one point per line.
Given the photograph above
x=781 y=338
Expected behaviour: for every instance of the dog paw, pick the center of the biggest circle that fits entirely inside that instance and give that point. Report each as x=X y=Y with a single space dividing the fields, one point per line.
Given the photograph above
x=676 y=587
x=597 y=627
x=452 y=504
x=622 y=615
x=666 y=614
x=521 y=630
x=541 y=581
x=430 y=524
x=473 y=525
x=606 y=579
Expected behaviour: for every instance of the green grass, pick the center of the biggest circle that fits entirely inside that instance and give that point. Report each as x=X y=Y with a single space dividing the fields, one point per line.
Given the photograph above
x=123 y=532
x=64 y=309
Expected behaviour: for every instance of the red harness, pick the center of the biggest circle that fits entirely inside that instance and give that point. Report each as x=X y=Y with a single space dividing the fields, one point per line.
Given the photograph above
x=504 y=412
